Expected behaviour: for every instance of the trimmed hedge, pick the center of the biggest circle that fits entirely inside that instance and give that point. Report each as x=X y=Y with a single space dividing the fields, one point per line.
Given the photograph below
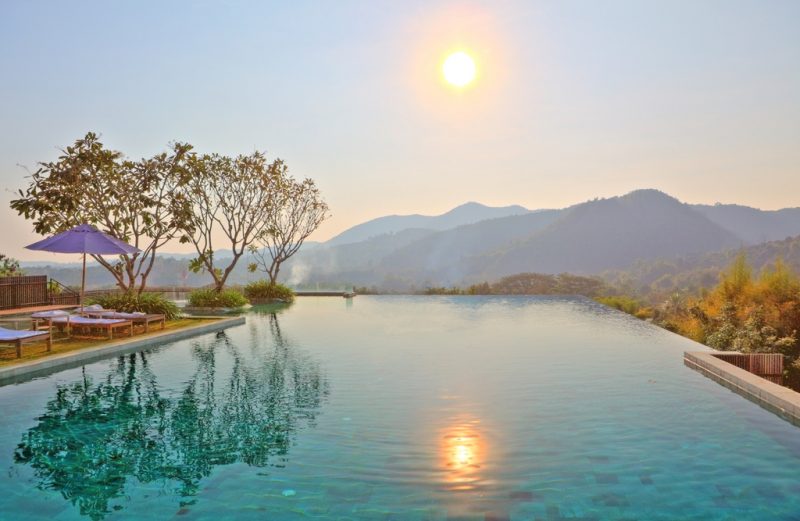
x=144 y=303
x=210 y=298
x=264 y=289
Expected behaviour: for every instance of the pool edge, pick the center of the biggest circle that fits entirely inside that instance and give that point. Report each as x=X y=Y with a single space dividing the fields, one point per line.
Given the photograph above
x=778 y=399
x=72 y=359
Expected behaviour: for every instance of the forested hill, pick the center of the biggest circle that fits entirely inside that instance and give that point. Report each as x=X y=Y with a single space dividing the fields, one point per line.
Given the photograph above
x=658 y=278
x=611 y=233
x=587 y=238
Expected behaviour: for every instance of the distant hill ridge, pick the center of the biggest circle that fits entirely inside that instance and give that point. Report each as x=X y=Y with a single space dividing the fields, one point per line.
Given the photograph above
x=464 y=214
x=475 y=243
x=611 y=233
x=752 y=225
x=586 y=238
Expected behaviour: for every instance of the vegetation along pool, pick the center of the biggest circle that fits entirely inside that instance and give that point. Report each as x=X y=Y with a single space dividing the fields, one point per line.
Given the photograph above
x=399 y=408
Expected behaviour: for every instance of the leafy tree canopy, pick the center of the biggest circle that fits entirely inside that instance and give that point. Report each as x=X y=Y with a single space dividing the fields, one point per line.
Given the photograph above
x=135 y=201
x=9 y=267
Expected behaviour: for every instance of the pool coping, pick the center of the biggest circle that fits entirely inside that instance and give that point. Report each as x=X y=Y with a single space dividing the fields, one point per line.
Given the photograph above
x=773 y=397
x=76 y=358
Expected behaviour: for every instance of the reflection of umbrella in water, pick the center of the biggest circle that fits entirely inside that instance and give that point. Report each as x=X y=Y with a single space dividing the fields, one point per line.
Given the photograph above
x=83 y=239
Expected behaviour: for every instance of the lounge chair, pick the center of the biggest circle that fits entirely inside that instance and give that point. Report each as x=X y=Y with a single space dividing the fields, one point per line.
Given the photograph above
x=19 y=337
x=46 y=317
x=143 y=319
x=106 y=324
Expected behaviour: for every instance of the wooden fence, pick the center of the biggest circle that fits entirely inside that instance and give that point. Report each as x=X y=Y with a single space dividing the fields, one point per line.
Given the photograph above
x=33 y=290
x=766 y=365
x=19 y=292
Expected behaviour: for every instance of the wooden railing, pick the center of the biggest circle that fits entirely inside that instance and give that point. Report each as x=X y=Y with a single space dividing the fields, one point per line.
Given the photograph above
x=766 y=365
x=63 y=295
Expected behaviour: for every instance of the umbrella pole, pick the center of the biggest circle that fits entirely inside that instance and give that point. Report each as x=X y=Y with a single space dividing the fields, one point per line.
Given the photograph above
x=83 y=281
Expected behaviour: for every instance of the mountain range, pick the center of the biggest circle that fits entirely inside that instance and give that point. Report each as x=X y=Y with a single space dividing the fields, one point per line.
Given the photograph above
x=587 y=238
x=475 y=243
x=464 y=214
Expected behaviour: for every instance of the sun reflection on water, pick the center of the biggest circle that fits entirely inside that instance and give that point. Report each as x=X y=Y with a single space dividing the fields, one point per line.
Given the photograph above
x=462 y=453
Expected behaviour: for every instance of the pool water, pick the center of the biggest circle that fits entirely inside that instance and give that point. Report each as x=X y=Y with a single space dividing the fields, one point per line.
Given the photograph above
x=484 y=408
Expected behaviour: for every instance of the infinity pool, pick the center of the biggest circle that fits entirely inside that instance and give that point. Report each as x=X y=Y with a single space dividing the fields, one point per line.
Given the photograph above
x=483 y=408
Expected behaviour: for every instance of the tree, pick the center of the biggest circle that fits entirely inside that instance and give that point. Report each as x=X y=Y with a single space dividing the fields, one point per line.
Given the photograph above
x=736 y=281
x=298 y=209
x=9 y=267
x=756 y=336
x=725 y=328
x=134 y=201
x=231 y=198
x=779 y=281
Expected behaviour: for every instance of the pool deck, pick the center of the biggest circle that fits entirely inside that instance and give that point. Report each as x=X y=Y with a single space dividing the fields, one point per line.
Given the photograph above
x=66 y=360
x=776 y=398
x=33 y=309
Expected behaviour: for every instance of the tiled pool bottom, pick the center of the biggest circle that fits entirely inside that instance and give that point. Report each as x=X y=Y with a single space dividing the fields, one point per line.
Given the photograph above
x=399 y=408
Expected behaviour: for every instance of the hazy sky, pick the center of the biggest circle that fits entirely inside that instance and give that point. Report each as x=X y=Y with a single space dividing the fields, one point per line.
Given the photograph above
x=573 y=100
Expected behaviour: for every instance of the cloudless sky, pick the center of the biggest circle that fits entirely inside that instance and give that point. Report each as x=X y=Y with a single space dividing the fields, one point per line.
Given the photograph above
x=573 y=100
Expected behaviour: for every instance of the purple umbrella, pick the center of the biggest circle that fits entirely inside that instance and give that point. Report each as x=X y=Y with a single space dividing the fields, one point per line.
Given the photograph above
x=83 y=239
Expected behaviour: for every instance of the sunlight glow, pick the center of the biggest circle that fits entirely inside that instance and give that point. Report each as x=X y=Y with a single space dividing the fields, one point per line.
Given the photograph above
x=461 y=453
x=459 y=69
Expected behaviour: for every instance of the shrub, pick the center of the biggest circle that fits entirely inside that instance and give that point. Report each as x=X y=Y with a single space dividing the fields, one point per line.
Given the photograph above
x=443 y=291
x=367 y=290
x=144 y=303
x=53 y=287
x=264 y=289
x=622 y=303
x=211 y=298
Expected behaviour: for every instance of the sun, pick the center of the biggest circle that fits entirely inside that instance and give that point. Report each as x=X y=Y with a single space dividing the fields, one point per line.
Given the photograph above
x=459 y=69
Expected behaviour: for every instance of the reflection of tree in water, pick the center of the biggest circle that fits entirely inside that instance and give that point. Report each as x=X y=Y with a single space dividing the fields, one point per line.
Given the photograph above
x=93 y=437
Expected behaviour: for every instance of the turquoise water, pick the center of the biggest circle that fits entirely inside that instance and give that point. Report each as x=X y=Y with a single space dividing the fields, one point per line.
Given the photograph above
x=483 y=408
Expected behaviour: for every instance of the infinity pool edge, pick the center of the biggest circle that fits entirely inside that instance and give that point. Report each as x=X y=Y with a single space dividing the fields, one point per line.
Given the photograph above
x=778 y=399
